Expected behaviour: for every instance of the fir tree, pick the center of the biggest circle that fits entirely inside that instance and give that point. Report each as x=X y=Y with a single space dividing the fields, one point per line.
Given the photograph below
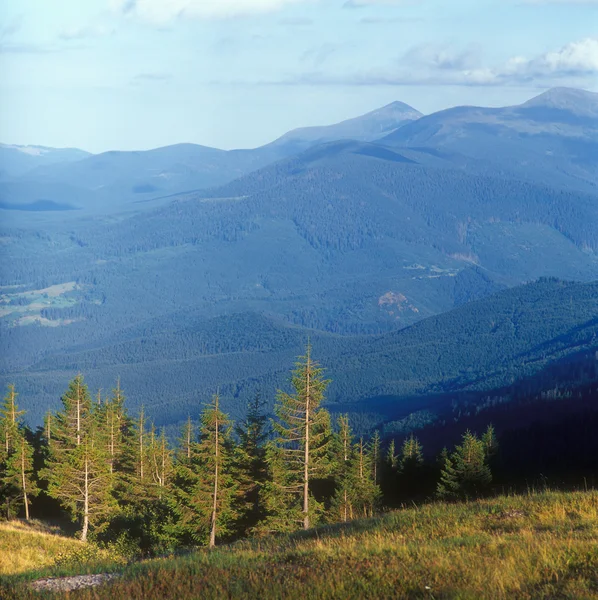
x=344 y=499
x=160 y=462
x=18 y=479
x=490 y=443
x=77 y=467
x=9 y=421
x=465 y=473
x=70 y=423
x=16 y=458
x=389 y=469
x=185 y=442
x=412 y=455
x=367 y=492
x=207 y=506
x=375 y=450
x=300 y=451
x=48 y=424
x=251 y=460
x=114 y=426
x=140 y=446
x=392 y=460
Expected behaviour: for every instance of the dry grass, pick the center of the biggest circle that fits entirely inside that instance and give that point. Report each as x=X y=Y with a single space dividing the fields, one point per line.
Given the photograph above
x=528 y=547
x=28 y=546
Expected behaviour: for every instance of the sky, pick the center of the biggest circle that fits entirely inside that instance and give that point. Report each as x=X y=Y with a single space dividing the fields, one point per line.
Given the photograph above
x=138 y=74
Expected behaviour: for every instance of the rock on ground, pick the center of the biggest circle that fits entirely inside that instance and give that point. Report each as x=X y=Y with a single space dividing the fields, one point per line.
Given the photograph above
x=67 y=584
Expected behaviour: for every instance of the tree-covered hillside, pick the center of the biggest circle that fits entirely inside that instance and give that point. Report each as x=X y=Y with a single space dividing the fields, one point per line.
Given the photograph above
x=172 y=364
x=551 y=138
x=347 y=239
x=344 y=242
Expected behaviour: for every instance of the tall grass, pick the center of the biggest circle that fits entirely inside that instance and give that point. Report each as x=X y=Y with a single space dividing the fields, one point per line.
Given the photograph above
x=27 y=546
x=537 y=546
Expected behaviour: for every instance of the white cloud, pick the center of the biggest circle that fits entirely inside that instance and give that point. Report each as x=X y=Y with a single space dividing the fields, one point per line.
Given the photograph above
x=163 y=11
x=575 y=64
x=576 y=58
x=85 y=32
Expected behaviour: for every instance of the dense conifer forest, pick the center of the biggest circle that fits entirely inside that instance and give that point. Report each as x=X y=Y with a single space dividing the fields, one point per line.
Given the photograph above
x=125 y=483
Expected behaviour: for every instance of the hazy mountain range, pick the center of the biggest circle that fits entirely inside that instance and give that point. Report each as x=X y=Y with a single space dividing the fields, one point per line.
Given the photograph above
x=552 y=138
x=185 y=267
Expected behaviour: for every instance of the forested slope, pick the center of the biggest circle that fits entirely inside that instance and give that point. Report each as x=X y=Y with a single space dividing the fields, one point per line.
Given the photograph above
x=174 y=364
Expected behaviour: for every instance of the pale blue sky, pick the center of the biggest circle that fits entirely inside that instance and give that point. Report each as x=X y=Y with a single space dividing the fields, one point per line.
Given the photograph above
x=137 y=74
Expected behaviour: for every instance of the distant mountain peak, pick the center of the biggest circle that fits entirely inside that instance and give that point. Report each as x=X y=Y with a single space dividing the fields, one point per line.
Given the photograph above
x=365 y=128
x=31 y=150
x=396 y=105
x=580 y=102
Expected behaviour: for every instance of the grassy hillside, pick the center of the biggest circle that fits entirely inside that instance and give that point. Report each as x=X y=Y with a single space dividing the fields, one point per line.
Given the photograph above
x=28 y=546
x=529 y=547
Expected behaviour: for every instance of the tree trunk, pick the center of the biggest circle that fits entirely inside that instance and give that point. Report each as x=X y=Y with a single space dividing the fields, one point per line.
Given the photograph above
x=78 y=413
x=141 y=425
x=345 y=506
x=13 y=417
x=24 y=481
x=189 y=438
x=306 y=457
x=112 y=434
x=85 y=502
x=215 y=503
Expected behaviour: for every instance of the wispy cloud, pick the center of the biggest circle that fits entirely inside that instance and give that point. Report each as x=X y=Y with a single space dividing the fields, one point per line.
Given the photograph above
x=164 y=11
x=296 y=22
x=317 y=56
x=142 y=78
x=435 y=65
x=9 y=29
x=85 y=32
x=389 y=20
x=442 y=57
x=28 y=48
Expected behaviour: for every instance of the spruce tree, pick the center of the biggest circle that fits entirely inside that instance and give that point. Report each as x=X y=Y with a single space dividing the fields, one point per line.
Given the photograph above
x=490 y=443
x=144 y=481
x=343 y=460
x=207 y=502
x=465 y=473
x=185 y=442
x=251 y=462
x=9 y=421
x=160 y=463
x=388 y=480
x=375 y=450
x=412 y=455
x=70 y=423
x=392 y=460
x=77 y=466
x=139 y=443
x=367 y=492
x=19 y=477
x=300 y=451
x=113 y=425
x=17 y=481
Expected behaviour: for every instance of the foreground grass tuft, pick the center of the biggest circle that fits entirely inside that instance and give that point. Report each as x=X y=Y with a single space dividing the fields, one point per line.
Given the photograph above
x=537 y=546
